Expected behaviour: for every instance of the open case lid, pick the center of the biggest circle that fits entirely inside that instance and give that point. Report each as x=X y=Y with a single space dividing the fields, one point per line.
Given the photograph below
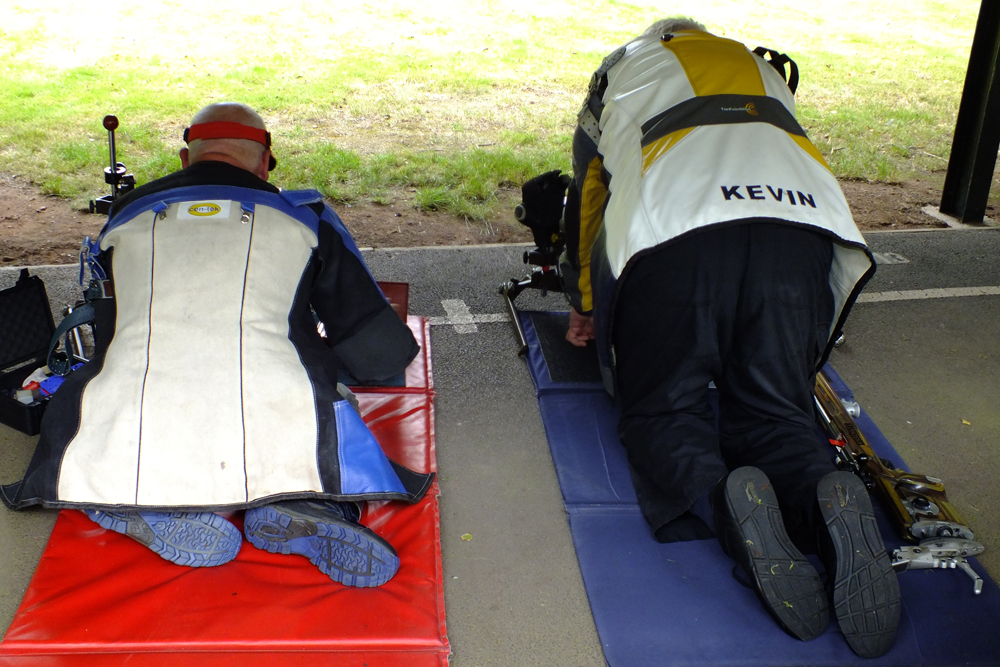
x=26 y=324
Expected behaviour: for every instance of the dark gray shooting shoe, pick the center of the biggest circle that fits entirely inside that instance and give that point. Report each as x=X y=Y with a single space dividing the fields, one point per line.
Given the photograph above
x=866 y=597
x=752 y=533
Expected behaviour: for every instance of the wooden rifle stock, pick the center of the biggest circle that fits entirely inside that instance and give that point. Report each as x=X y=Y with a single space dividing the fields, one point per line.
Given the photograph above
x=917 y=503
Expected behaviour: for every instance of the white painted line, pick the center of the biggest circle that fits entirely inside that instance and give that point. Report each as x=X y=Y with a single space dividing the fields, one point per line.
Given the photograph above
x=491 y=318
x=940 y=293
x=890 y=258
x=476 y=319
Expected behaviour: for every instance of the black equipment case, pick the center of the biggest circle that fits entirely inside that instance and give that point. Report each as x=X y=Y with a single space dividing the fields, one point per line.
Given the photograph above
x=26 y=328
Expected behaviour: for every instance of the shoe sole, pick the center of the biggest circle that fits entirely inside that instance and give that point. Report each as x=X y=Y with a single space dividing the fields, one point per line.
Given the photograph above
x=866 y=598
x=346 y=552
x=192 y=539
x=784 y=579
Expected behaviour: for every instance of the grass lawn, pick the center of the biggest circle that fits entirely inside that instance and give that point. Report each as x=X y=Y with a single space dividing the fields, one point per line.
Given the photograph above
x=441 y=103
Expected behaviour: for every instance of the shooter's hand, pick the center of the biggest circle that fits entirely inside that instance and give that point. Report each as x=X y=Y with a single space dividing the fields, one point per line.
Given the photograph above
x=581 y=328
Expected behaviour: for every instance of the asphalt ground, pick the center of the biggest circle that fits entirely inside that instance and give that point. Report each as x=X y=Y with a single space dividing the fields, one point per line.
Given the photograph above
x=921 y=356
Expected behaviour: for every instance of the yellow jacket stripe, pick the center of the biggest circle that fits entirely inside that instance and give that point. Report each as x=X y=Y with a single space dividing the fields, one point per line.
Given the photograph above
x=716 y=66
x=593 y=197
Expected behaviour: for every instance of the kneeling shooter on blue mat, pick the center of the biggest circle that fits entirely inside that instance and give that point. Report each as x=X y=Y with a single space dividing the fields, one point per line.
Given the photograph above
x=211 y=388
x=708 y=241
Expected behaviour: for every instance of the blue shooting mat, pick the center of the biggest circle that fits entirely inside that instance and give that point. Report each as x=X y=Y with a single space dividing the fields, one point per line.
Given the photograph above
x=680 y=604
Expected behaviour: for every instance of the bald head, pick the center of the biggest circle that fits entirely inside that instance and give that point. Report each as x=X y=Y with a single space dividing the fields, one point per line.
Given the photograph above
x=243 y=153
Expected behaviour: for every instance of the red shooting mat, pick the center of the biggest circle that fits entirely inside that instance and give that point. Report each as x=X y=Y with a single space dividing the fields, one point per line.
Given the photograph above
x=100 y=598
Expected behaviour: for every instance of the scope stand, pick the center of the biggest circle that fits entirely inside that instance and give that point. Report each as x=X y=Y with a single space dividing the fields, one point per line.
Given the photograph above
x=545 y=277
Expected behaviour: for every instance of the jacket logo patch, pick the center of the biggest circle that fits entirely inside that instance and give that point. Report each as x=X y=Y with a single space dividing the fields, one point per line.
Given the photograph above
x=204 y=209
x=757 y=193
x=748 y=108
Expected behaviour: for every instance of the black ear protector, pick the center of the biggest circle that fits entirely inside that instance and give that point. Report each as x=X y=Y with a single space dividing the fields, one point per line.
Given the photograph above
x=229 y=130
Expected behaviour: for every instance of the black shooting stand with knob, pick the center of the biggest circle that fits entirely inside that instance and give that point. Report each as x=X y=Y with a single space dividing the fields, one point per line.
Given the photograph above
x=115 y=174
x=543 y=199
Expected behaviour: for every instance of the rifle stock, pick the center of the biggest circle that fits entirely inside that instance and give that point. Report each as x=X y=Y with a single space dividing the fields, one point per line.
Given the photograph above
x=917 y=504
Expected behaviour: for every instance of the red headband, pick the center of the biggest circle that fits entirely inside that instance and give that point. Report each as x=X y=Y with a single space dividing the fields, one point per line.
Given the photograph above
x=223 y=129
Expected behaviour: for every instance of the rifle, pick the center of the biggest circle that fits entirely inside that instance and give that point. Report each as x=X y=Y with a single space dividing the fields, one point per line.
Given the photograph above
x=917 y=504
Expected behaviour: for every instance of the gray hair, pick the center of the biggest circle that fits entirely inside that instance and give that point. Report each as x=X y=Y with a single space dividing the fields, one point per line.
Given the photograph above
x=673 y=24
x=247 y=152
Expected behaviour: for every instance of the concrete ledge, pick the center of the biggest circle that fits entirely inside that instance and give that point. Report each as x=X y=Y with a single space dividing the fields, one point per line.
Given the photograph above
x=955 y=222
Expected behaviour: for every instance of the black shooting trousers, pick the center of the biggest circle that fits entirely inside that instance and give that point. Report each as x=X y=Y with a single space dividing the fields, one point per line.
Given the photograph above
x=749 y=307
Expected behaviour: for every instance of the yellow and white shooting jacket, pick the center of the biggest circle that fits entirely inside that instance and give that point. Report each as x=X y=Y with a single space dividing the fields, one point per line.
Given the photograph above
x=686 y=130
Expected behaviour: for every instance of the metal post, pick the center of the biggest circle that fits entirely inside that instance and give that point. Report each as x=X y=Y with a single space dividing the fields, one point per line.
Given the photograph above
x=977 y=130
x=111 y=124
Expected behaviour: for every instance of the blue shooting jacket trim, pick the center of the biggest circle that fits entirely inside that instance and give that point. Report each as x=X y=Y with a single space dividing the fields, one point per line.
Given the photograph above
x=364 y=468
x=295 y=203
x=296 y=207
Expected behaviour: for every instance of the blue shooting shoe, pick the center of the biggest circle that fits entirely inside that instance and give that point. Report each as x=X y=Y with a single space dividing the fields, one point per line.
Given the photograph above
x=194 y=539
x=329 y=535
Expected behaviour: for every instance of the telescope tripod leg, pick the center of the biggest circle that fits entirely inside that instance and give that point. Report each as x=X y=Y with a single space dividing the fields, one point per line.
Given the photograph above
x=515 y=318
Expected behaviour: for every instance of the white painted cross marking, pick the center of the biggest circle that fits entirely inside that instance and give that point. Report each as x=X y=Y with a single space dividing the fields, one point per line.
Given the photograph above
x=462 y=319
x=459 y=315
